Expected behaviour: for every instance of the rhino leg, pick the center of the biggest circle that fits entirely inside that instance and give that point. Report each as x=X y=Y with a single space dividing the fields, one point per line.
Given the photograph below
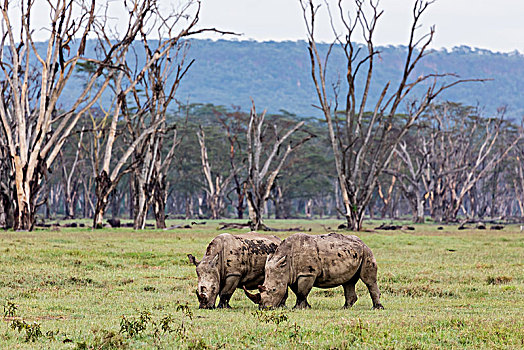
x=227 y=291
x=224 y=302
x=349 y=294
x=302 y=289
x=349 y=289
x=369 y=277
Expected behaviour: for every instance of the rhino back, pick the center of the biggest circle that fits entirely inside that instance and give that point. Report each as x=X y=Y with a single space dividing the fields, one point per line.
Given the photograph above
x=340 y=258
x=245 y=255
x=333 y=259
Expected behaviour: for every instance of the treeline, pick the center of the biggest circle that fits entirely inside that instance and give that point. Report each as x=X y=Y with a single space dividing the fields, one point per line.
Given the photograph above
x=454 y=164
x=304 y=186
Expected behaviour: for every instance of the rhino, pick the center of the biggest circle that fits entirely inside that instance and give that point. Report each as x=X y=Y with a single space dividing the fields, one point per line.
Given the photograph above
x=230 y=262
x=304 y=261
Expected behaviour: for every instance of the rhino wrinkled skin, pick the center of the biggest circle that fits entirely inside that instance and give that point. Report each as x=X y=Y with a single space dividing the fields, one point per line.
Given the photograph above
x=230 y=262
x=305 y=261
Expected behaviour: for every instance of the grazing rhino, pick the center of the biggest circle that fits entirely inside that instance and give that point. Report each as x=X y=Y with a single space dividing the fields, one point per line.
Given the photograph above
x=230 y=262
x=305 y=261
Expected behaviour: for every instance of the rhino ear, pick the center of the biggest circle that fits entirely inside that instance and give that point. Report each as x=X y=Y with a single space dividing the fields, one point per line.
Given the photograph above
x=193 y=260
x=282 y=261
x=214 y=262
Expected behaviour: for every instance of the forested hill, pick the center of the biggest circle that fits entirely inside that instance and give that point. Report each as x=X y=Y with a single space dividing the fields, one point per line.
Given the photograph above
x=277 y=75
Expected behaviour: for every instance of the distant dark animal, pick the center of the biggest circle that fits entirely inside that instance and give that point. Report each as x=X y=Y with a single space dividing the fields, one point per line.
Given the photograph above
x=387 y=227
x=174 y=227
x=304 y=261
x=230 y=262
x=114 y=222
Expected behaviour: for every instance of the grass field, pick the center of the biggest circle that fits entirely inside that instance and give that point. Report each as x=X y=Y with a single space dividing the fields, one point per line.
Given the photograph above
x=119 y=288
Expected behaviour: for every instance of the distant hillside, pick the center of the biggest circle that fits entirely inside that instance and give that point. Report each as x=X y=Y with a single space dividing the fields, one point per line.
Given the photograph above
x=277 y=75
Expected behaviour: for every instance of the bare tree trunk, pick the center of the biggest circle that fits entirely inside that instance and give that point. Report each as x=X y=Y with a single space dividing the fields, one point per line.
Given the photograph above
x=70 y=182
x=130 y=196
x=102 y=191
x=159 y=202
x=241 y=194
x=160 y=213
x=308 y=209
x=200 y=203
x=386 y=198
x=216 y=188
x=189 y=207
x=260 y=180
x=3 y=211
x=281 y=205
x=140 y=200
x=6 y=186
x=116 y=200
x=419 y=218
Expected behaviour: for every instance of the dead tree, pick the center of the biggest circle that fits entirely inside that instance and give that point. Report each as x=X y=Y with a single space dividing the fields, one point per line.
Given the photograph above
x=260 y=178
x=150 y=178
x=217 y=185
x=465 y=148
x=7 y=215
x=35 y=79
x=143 y=19
x=410 y=171
x=71 y=180
x=152 y=162
x=140 y=15
x=363 y=142
x=387 y=197
x=151 y=96
x=234 y=125
x=518 y=178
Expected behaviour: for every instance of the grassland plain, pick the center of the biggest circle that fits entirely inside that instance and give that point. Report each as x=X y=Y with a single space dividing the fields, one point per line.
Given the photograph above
x=119 y=288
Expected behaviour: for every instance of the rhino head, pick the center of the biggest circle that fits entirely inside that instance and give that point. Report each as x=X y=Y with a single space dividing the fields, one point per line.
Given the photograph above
x=208 y=281
x=274 y=290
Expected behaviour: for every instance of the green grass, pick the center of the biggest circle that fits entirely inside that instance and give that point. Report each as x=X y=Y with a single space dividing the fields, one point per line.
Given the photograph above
x=119 y=288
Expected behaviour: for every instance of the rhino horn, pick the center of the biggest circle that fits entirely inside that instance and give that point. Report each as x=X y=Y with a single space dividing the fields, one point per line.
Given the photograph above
x=254 y=297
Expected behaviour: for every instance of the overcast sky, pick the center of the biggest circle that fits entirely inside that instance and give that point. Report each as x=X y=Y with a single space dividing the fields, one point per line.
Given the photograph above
x=497 y=25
